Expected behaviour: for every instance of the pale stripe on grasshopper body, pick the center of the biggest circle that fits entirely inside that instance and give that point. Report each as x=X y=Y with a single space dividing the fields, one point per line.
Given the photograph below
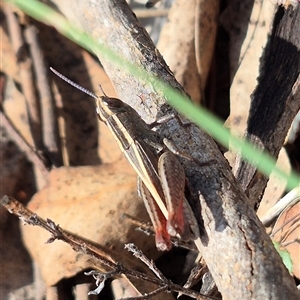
x=162 y=175
x=162 y=178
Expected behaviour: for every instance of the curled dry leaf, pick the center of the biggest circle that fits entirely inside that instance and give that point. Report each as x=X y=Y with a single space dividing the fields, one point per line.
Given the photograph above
x=288 y=226
x=90 y=202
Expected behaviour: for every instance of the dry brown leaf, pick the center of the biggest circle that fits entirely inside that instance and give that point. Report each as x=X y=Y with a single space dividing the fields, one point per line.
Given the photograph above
x=288 y=235
x=89 y=201
x=186 y=35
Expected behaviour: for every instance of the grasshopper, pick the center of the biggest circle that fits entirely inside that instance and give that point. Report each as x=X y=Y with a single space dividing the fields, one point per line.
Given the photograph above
x=161 y=182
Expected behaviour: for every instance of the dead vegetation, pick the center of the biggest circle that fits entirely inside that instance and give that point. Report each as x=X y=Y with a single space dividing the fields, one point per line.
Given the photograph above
x=64 y=164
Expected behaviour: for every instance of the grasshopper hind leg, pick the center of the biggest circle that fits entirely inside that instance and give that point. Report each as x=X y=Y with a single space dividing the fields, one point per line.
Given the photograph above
x=181 y=220
x=159 y=222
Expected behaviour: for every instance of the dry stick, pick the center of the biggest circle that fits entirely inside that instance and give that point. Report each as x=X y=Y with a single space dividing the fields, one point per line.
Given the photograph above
x=2 y=84
x=294 y=227
x=77 y=243
x=32 y=155
x=289 y=199
x=84 y=246
x=205 y=27
x=61 y=127
x=147 y=229
x=233 y=242
x=81 y=291
x=198 y=50
x=27 y=77
x=146 y=13
x=148 y=295
x=294 y=220
x=52 y=293
x=50 y=128
x=276 y=99
x=140 y=255
x=196 y=274
x=151 y=3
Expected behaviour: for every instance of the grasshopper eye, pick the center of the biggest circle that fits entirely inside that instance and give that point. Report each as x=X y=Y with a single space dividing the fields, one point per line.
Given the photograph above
x=112 y=102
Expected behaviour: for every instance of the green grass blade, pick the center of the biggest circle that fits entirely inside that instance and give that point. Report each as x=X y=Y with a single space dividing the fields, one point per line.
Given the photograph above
x=208 y=122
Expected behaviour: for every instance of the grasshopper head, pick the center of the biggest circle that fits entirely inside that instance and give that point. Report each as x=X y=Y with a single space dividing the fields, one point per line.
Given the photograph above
x=107 y=107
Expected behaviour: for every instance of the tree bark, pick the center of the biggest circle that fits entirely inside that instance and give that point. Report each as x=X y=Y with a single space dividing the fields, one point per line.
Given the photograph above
x=233 y=242
x=276 y=99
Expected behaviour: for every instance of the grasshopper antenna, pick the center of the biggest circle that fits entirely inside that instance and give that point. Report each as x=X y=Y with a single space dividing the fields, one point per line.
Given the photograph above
x=101 y=89
x=77 y=86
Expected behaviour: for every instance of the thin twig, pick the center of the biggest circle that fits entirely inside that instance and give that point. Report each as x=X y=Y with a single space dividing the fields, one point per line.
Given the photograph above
x=294 y=219
x=77 y=243
x=146 y=13
x=26 y=75
x=147 y=229
x=32 y=154
x=50 y=128
x=196 y=274
x=2 y=84
x=149 y=263
x=82 y=245
x=148 y=295
x=289 y=199
x=285 y=244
